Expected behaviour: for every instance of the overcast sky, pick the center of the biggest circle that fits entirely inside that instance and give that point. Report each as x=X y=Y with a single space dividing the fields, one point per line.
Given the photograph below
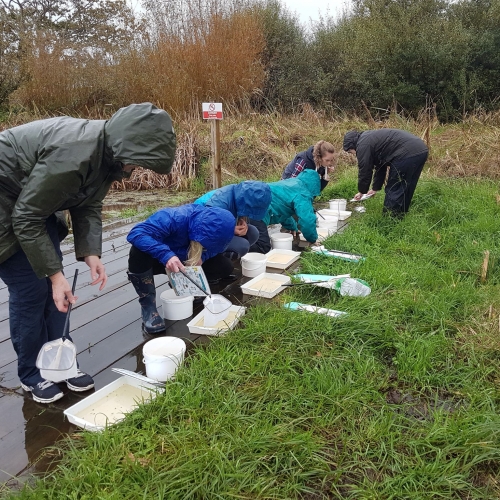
x=306 y=9
x=311 y=9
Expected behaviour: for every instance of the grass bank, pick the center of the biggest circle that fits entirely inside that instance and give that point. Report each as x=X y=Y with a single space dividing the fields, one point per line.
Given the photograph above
x=398 y=400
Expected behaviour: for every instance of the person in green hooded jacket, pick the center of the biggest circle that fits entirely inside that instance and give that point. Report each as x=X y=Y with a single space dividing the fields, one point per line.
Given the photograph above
x=56 y=164
x=290 y=198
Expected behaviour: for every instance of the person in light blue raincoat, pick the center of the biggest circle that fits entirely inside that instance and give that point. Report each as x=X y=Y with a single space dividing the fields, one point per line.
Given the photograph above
x=171 y=238
x=291 y=197
x=248 y=199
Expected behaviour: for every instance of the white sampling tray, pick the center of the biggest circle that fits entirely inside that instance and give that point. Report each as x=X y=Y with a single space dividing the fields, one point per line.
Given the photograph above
x=281 y=259
x=266 y=285
x=323 y=233
x=110 y=404
x=196 y=324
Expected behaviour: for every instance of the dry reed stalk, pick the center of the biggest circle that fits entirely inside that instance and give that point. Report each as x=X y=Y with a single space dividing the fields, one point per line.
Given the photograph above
x=185 y=168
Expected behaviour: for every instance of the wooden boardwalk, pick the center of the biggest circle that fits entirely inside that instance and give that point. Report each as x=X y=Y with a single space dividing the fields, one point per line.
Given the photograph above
x=106 y=329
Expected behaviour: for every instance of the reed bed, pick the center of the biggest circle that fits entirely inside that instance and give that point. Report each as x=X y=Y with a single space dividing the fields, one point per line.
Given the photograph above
x=258 y=146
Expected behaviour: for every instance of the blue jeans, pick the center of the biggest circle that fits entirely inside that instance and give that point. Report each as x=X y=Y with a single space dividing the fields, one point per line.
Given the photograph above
x=33 y=315
x=240 y=245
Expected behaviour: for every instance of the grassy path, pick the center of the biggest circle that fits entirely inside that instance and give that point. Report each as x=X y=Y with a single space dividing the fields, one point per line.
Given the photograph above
x=400 y=399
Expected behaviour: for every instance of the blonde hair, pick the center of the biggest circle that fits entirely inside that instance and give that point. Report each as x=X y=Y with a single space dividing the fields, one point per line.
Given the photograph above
x=320 y=148
x=194 y=253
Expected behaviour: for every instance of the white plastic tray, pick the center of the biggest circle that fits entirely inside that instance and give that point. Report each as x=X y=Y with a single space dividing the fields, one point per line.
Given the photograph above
x=341 y=214
x=196 y=324
x=323 y=233
x=281 y=259
x=266 y=285
x=110 y=404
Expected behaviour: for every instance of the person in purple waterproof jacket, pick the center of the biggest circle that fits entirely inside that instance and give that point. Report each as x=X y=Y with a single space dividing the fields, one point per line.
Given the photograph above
x=171 y=238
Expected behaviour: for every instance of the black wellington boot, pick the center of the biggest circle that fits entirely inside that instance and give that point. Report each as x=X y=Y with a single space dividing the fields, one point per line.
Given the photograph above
x=144 y=285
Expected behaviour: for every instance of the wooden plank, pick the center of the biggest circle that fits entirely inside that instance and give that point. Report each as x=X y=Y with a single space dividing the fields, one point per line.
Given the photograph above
x=85 y=331
x=7 y=354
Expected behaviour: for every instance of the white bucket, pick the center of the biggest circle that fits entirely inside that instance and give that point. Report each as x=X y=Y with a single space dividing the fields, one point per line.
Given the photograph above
x=216 y=309
x=162 y=357
x=338 y=204
x=253 y=264
x=282 y=241
x=329 y=223
x=175 y=307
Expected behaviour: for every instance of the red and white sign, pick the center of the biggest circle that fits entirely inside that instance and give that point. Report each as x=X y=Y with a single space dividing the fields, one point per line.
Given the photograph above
x=212 y=110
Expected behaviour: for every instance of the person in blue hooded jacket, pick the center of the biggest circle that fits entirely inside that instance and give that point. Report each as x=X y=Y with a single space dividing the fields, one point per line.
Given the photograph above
x=248 y=199
x=171 y=238
x=291 y=198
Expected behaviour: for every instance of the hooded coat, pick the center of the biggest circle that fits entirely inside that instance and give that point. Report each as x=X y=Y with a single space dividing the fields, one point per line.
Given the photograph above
x=69 y=163
x=376 y=149
x=295 y=197
x=246 y=199
x=168 y=232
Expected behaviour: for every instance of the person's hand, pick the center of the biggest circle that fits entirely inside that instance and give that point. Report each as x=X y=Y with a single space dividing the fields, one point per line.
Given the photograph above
x=174 y=265
x=372 y=192
x=61 y=292
x=97 y=271
x=241 y=228
x=358 y=196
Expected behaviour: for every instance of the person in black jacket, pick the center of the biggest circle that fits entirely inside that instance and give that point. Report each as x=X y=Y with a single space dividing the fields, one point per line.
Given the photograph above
x=404 y=154
x=320 y=157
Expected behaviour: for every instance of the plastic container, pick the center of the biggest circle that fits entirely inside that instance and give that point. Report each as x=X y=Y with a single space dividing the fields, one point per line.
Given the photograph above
x=338 y=204
x=328 y=223
x=110 y=404
x=162 y=357
x=281 y=259
x=216 y=309
x=253 y=264
x=197 y=324
x=266 y=285
x=175 y=307
x=281 y=241
x=57 y=360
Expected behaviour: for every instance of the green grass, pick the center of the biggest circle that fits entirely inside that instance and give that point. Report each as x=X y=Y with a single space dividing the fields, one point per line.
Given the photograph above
x=398 y=400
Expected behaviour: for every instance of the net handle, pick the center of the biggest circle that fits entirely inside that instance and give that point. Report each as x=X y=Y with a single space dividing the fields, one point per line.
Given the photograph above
x=66 y=322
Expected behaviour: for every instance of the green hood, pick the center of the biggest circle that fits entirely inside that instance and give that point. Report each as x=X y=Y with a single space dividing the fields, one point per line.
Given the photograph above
x=142 y=134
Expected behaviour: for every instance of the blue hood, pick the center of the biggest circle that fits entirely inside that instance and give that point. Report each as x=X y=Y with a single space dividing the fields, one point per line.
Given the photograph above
x=169 y=231
x=213 y=227
x=246 y=199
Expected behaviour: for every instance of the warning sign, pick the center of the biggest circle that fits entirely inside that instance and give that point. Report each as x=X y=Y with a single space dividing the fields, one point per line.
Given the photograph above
x=212 y=110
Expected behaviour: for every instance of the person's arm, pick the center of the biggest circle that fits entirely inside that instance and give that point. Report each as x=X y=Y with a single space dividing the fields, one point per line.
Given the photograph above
x=290 y=224
x=307 y=218
x=46 y=190
x=379 y=178
x=298 y=167
x=87 y=229
x=365 y=158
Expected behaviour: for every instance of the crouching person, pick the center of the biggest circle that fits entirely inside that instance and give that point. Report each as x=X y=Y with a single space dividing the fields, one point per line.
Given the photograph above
x=190 y=235
x=291 y=198
x=248 y=199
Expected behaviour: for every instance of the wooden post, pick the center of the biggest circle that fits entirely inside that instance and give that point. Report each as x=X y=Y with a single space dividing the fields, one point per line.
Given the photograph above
x=216 y=165
x=484 y=268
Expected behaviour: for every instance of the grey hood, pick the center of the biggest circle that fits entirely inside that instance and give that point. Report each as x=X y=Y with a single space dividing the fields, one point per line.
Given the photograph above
x=142 y=134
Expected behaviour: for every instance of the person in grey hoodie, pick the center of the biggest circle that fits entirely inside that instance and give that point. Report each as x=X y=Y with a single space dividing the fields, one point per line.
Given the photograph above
x=404 y=154
x=59 y=164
